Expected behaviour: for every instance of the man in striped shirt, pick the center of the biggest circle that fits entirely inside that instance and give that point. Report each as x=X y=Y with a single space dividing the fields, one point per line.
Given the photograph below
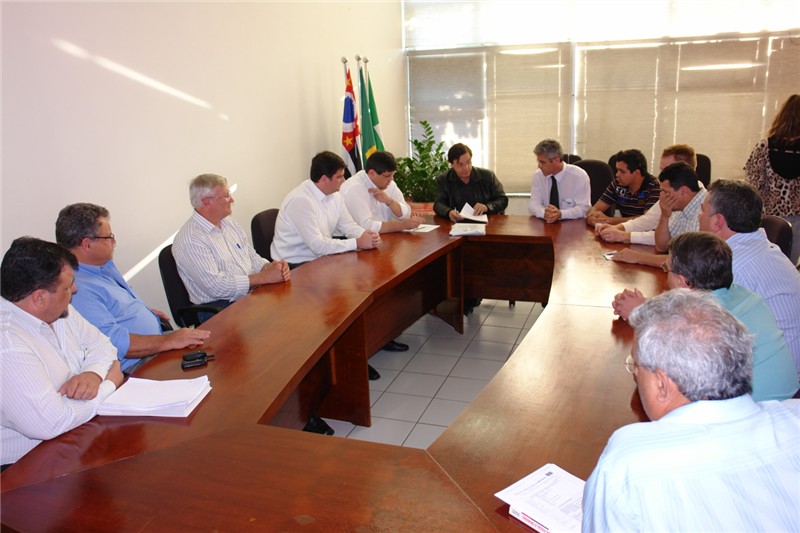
x=710 y=459
x=633 y=190
x=732 y=210
x=56 y=367
x=214 y=257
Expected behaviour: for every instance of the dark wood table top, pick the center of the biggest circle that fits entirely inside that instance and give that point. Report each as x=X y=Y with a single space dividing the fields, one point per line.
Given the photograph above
x=255 y=478
x=558 y=399
x=247 y=382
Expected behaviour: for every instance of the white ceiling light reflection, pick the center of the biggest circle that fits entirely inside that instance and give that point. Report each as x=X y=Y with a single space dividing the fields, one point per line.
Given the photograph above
x=531 y=51
x=727 y=66
x=77 y=51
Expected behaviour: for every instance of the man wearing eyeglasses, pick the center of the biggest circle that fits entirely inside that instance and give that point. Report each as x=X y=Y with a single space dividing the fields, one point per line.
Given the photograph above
x=710 y=459
x=702 y=261
x=214 y=258
x=105 y=299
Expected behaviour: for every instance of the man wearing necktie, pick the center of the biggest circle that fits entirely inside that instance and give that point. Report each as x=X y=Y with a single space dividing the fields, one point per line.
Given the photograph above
x=566 y=187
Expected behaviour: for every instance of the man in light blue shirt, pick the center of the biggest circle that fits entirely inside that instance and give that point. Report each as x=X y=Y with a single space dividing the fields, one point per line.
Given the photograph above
x=711 y=459
x=732 y=210
x=702 y=261
x=105 y=299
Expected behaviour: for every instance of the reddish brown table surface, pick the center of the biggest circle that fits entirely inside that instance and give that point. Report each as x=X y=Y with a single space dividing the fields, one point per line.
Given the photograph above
x=558 y=399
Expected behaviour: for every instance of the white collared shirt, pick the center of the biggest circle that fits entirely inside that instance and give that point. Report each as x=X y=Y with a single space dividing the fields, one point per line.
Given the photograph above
x=574 y=192
x=214 y=263
x=306 y=223
x=366 y=211
x=36 y=360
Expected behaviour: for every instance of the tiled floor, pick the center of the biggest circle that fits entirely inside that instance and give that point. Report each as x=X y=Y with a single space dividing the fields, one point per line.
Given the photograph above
x=423 y=390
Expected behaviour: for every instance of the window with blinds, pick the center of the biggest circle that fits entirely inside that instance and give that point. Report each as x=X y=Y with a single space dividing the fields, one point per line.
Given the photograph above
x=718 y=94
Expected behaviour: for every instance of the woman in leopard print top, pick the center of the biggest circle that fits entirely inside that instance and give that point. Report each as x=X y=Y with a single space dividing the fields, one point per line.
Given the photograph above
x=774 y=168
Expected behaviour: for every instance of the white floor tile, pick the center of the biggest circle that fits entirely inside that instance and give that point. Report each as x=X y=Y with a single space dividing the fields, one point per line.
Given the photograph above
x=474 y=369
x=383 y=430
x=390 y=360
x=387 y=376
x=497 y=334
x=522 y=335
x=340 y=429
x=400 y=406
x=460 y=389
x=523 y=308
x=495 y=351
x=446 y=330
x=443 y=412
x=423 y=435
x=530 y=321
x=444 y=346
x=416 y=384
x=413 y=341
x=429 y=318
x=478 y=316
x=424 y=363
x=374 y=395
x=423 y=327
x=506 y=320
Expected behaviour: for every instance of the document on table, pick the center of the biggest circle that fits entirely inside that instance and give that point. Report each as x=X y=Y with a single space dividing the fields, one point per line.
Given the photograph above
x=422 y=228
x=468 y=229
x=145 y=397
x=468 y=213
x=548 y=500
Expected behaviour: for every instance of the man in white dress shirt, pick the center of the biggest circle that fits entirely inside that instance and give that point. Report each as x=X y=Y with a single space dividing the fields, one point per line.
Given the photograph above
x=214 y=257
x=710 y=459
x=558 y=190
x=732 y=210
x=374 y=200
x=56 y=367
x=314 y=212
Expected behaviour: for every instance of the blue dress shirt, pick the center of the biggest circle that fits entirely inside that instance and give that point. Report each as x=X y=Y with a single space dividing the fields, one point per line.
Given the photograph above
x=106 y=300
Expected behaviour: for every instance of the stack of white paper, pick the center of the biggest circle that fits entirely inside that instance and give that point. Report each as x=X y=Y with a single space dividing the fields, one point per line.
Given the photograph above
x=468 y=213
x=145 y=397
x=468 y=229
x=549 y=500
x=422 y=228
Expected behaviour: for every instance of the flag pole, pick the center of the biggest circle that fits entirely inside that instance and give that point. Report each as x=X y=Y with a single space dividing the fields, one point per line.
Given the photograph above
x=344 y=66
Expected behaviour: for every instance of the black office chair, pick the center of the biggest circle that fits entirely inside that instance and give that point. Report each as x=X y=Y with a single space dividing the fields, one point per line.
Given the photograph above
x=779 y=231
x=600 y=176
x=262 y=227
x=704 y=169
x=570 y=158
x=183 y=310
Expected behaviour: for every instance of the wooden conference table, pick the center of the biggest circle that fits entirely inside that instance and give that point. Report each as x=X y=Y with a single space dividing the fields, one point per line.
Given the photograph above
x=286 y=350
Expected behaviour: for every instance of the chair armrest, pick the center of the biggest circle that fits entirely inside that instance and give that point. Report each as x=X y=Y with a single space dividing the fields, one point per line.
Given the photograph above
x=187 y=315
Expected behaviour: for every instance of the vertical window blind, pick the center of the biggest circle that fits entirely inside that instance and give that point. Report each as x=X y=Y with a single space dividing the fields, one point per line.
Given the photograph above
x=718 y=94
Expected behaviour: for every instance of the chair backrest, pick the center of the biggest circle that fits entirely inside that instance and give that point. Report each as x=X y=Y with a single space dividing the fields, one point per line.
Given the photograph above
x=704 y=169
x=177 y=295
x=779 y=232
x=570 y=158
x=262 y=227
x=600 y=176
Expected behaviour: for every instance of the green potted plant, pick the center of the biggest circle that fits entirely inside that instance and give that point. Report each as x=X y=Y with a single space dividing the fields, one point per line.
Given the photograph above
x=416 y=175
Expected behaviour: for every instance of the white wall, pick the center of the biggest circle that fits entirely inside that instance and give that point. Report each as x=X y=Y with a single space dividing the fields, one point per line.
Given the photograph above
x=77 y=130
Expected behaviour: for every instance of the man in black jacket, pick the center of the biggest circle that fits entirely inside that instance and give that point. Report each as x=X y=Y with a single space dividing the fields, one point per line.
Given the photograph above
x=464 y=183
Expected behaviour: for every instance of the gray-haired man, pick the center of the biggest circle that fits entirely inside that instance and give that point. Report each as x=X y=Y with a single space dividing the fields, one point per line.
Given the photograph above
x=711 y=459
